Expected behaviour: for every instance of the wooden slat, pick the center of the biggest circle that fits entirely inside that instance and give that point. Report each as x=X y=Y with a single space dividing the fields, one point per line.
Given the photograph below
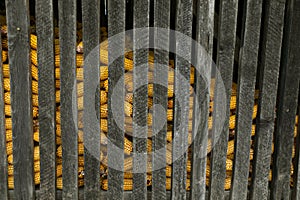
x=91 y=23
x=68 y=103
x=287 y=103
x=141 y=11
x=296 y=176
x=116 y=24
x=201 y=100
x=104 y=195
x=160 y=97
x=47 y=105
x=271 y=51
x=3 y=158
x=20 y=74
x=183 y=22
x=245 y=99
x=225 y=61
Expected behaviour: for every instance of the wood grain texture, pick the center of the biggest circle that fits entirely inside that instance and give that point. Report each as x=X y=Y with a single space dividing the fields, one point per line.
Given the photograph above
x=68 y=103
x=225 y=61
x=104 y=195
x=20 y=77
x=181 y=109
x=201 y=101
x=91 y=128
x=160 y=97
x=271 y=50
x=287 y=103
x=3 y=155
x=141 y=11
x=116 y=25
x=245 y=99
x=47 y=105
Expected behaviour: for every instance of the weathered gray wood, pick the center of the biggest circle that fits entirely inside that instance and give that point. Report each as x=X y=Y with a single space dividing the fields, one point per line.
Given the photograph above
x=3 y=158
x=68 y=97
x=47 y=105
x=287 y=103
x=201 y=108
x=20 y=85
x=141 y=11
x=245 y=99
x=225 y=61
x=160 y=97
x=91 y=125
x=116 y=24
x=296 y=177
x=181 y=109
x=104 y=195
x=271 y=52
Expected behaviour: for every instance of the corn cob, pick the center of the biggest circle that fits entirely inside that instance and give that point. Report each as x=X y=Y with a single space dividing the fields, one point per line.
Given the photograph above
x=4 y=43
x=127 y=183
x=79 y=60
x=33 y=56
x=8 y=134
x=80 y=150
x=4 y=56
x=8 y=123
x=105 y=85
x=5 y=70
x=33 y=41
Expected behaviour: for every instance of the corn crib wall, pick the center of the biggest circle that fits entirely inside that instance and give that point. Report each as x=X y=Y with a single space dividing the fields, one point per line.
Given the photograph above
x=43 y=143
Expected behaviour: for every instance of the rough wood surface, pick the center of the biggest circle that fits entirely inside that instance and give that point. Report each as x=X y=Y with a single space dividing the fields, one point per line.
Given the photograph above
x=91 y=125
x=160 y=97
x=68 y=104
x=21 y=106
x=287 y=103
x=116 y=25
x=183 y=24
x=141 y=12
x=47 y=105
x=245 y=100
x=271 y=51
x=201 y=107
x=225 y=61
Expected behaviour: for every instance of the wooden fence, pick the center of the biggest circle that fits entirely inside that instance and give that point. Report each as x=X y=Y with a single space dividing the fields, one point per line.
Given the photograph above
x=263 y=35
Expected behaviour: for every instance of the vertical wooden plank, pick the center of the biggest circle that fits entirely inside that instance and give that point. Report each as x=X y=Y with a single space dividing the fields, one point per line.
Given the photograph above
x=17 y=14
x=183 y=22
x=201 y=107
x=47 y=105
x=287 y=103
x=116 y=25
x=160 y=97
x=3 y=155
x=68 y=103
x=296 y=177
x=225 y=61
x=141 y=11
x=271 y=51
x=91 y=24
x=245 y=99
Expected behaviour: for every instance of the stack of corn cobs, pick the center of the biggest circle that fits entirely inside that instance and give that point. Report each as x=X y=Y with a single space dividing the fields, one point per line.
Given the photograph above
x=128 y=146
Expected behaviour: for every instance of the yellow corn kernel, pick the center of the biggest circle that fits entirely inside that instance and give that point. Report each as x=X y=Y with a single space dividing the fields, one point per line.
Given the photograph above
x=128 y=109
x=103 y=73
x=9 y=148
x=8 y=123
x=6 y=83
x=33 y=56
x=4 y=56
x=33 y=41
